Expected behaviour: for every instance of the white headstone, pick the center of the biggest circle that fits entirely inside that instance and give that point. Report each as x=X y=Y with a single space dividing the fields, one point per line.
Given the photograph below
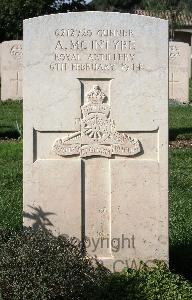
x=11 y=70
x=179 y=71
x=95 y=132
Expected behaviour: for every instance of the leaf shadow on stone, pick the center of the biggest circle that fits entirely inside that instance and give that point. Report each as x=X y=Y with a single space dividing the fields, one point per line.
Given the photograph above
x=39 y=218
x=181 y=259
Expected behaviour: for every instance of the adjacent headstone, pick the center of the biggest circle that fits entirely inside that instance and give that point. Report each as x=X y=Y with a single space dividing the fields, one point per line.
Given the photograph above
x=95 y=132
x=0 y=60
x=11 y=70
x=0 y=68
x=191 y=68
x=179 y=71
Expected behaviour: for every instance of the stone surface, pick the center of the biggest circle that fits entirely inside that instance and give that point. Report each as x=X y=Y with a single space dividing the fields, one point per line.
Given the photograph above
x=95 y=132
x=179 y=71
x=11 y=70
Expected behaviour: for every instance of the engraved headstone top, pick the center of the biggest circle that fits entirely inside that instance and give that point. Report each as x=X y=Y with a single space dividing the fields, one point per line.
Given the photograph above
x=17 y=51
x=174 y=51
x=95 y=132
x=11 y=70
x=179 y=71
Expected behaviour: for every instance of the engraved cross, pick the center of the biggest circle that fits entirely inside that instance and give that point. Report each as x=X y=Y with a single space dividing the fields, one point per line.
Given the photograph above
x=172 y=82
x=95 y=143
x=17 y=82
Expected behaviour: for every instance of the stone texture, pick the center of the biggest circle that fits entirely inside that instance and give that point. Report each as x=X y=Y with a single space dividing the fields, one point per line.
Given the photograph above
x=11 y=70
x=179 y=71
x=95 y=132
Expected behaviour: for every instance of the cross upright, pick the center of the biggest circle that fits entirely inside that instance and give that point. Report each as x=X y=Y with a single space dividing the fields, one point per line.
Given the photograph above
x=94 y=145
x=172 y=82
x=17 y=83
x=95 y=152
x=97 y=137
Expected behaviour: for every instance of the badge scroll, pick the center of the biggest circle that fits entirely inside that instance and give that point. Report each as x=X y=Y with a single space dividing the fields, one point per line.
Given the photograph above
x=98 y=135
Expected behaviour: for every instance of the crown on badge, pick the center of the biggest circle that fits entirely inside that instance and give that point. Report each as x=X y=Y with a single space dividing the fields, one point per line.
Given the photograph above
x=96 y=96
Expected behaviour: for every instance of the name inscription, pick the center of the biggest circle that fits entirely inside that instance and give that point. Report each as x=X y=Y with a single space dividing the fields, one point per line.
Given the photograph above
x=95 y=50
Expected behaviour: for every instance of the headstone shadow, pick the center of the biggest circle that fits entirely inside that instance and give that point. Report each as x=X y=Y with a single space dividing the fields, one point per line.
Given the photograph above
x=181 y=260
x=175 y=132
